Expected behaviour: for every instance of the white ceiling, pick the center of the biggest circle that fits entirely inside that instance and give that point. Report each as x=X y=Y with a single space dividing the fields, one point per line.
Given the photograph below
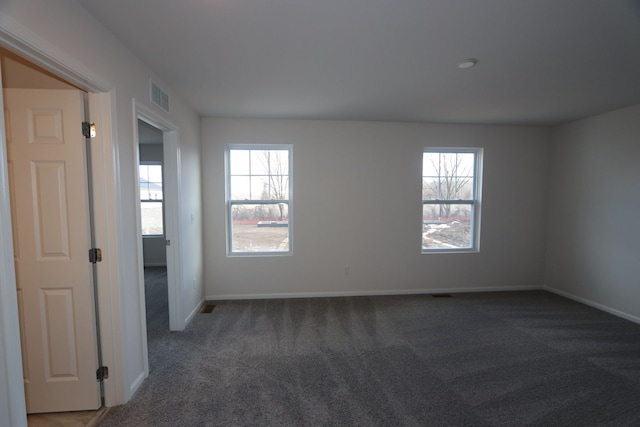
x=539 y=61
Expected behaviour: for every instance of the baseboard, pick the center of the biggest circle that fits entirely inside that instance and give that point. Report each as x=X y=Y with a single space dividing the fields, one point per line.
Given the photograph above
x=98 y=416
x=369 y=293
x=593 y=304
x=195 y=311
x=136 y=384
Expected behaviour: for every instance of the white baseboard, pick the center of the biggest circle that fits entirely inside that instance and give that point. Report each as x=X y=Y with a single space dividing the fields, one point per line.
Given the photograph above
x=590 y=303
x=369 y=293
x=593 y=304
x=195 y=311
x=136 y=384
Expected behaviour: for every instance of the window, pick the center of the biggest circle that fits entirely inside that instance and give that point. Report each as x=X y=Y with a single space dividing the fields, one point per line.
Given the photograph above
x=450 y=199
x=259 y=199
x=151 y=200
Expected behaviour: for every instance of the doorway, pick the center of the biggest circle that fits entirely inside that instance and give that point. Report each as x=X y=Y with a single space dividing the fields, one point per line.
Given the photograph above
x=156 y=143
x=154 y=253
x=52 y=230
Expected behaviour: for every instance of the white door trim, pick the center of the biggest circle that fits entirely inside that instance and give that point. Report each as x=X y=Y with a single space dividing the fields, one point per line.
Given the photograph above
x=171 y=184
x=27 y=45
x=12 y=405
x=105 y=165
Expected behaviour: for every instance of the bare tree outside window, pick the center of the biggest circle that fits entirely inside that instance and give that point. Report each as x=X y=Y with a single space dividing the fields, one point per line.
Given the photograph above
x=448 y=199
x=259 y=199
x=276 y=162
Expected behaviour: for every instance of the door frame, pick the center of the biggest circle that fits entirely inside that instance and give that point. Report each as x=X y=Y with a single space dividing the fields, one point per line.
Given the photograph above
x=10 y=356
x=171 y=202
x=105 y=181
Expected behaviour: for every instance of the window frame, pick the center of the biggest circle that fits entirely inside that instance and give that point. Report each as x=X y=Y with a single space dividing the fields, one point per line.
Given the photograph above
x=230 y=203
x=161 y=201
x=474 y=202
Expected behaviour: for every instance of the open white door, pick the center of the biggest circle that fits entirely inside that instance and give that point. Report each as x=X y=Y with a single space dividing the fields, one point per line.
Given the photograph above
x=50 y=211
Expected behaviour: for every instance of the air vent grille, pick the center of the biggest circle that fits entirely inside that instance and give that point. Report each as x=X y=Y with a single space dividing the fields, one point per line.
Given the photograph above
x=208 y=308
x=159 y=97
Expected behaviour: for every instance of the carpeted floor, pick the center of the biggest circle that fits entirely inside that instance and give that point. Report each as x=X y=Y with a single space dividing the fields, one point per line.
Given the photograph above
x=156 y=300
x=486 y=359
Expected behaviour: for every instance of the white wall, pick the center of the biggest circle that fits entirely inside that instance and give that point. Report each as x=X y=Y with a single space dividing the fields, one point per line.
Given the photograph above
x=154 y=251
x=64 y=31
x=152 y=153
x=594 y=211
x=357 y=203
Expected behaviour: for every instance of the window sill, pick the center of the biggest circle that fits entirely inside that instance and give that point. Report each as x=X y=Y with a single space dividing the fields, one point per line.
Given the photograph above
x=451 y=251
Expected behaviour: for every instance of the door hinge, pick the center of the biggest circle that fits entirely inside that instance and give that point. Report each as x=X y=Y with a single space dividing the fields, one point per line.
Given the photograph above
x=88 y=130
x=95 y=255
x=102 y=373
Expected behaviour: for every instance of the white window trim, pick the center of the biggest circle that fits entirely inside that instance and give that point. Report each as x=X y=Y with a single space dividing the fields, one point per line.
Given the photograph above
x=229 y=203
x=476 y=202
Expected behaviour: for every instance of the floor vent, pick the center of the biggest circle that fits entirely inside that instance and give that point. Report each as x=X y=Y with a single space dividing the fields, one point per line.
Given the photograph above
x=208 y=308
x=159 y=97
x=441 y=295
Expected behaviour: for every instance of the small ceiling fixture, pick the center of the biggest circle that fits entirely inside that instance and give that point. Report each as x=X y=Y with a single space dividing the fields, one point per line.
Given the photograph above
x=467 y=63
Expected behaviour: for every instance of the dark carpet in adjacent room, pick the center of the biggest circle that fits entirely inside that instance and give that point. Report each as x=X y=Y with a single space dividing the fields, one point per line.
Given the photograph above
x=156 y=300
x=481 y=359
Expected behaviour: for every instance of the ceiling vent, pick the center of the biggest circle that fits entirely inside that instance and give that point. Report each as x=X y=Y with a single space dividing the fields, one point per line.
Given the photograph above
x=159 y=97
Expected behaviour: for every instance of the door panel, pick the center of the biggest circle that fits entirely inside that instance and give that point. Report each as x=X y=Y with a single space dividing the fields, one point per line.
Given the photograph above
x=49 y=194
x=51 y=221
x=60 y=347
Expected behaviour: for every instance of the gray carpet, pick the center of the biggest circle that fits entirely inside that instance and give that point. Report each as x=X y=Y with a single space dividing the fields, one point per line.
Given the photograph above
x=156 y=303
x=489 y=359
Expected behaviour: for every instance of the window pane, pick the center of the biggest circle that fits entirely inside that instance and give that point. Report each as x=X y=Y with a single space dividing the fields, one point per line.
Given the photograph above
x=150 y=182
x=144 y=172
x=260 y=188
x=260 y=228
x=155 y=173
x=448 y=176
x=429 y=188
x=144 y=191
x=465 y=189
x=279 y=162
x=446 y=226
x=465 y=164
x=155 y=192
x=239 y=162
x=144 y=182
x=151 y=215
x=240 y=188
x=260 y=162
x=279 y=187
x=273 y=187
x=430 y=163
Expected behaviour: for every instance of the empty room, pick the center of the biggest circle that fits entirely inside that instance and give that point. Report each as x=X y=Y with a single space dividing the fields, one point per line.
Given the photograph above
x=363 y=213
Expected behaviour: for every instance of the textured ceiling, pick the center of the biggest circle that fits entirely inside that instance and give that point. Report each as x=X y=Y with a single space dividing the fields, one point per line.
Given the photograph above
x=539 y=61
